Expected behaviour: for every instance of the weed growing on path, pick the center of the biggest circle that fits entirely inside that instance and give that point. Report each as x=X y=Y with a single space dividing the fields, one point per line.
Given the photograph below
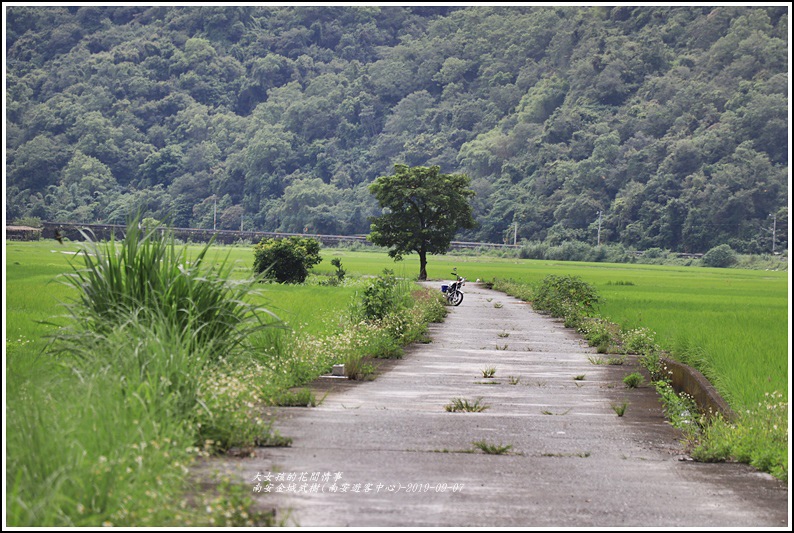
x=461 y=405
x=300 y=398
x=615 y=361
x=633 y=380
x=620 y=409
x=547 y=412
x=275 y=440
x=492 y=449
x=558 y=454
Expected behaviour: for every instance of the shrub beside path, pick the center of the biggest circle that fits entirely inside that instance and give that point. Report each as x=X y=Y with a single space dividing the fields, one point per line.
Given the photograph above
x=386 y=453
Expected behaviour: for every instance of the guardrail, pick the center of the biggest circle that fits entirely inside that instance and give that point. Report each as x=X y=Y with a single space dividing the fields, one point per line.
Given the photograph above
x=71 y=230
x=104 y=232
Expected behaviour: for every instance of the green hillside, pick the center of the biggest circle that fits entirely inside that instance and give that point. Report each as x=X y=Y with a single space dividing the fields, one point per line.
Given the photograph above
x=666 y=125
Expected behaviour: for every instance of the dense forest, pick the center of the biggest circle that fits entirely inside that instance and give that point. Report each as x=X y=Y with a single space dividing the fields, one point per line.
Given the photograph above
x=646 y=126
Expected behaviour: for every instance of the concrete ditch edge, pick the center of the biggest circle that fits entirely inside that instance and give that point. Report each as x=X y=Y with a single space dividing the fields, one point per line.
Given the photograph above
x=684 y=378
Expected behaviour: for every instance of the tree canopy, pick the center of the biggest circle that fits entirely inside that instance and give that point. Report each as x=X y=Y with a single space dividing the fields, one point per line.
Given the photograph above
x=423 y=209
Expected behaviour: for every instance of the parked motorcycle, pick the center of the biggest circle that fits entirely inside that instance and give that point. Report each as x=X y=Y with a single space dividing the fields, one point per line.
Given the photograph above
x=453 y=292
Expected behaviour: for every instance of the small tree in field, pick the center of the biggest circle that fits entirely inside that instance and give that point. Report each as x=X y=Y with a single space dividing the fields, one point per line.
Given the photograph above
x=423 y=209
x=286 y=260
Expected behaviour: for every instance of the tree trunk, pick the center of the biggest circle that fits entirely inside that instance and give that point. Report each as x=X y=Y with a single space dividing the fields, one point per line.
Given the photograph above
x=422 y=265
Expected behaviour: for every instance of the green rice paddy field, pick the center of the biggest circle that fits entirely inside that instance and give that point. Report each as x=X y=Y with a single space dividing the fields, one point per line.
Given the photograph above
x=732 y=324
x=67 y=471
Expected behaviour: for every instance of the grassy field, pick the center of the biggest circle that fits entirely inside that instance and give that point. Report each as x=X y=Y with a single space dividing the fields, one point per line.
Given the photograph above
x=33 y=293
x=730 y=323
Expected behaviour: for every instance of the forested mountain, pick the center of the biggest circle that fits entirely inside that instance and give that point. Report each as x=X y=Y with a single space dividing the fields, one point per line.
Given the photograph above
x=669 y=124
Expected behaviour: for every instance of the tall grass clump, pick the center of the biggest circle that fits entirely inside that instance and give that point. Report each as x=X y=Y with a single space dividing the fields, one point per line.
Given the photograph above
x=146 y=275
x=180 y=314
x=103 y=433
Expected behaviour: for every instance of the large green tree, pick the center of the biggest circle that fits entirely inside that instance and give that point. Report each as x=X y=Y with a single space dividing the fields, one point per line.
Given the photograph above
x=422 y=211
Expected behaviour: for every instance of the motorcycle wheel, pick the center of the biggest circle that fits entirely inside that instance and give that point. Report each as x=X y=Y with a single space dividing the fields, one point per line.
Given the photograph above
x=456 y=298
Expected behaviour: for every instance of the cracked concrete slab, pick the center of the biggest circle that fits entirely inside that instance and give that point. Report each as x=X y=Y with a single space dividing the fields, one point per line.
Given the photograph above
x=385 y=453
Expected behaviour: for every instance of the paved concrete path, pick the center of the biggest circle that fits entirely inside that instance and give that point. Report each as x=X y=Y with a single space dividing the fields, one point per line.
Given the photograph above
x=401 y=459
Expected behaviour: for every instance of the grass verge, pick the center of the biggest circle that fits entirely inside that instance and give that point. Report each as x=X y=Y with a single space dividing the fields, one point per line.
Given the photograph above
x=164 y=356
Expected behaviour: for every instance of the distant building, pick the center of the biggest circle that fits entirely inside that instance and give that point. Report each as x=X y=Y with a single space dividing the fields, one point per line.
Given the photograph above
x=22 y=233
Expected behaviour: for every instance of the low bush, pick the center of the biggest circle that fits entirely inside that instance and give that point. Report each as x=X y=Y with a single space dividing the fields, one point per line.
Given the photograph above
x=563 y=295
x=640 y=341
x=286 y=260
x=571 y=251
x=721 y=256
x=340 y=272
x=599 y=333
x=382 y=296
